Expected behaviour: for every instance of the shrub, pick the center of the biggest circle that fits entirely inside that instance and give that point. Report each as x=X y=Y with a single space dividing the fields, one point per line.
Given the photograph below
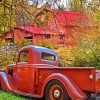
x=65 y=57
x=87 y=53
x=49 y=44
x=9 y=51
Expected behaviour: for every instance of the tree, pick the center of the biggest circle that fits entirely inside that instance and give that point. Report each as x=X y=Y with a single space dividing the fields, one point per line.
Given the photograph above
x=8 y=52
x=7 y=16
x=77 y=5
x=91 y=7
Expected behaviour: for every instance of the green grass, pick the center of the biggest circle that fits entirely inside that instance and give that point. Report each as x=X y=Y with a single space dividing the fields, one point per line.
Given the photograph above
x=9 y=96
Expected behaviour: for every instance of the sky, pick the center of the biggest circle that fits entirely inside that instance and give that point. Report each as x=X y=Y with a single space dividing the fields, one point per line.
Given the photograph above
x=61 y=3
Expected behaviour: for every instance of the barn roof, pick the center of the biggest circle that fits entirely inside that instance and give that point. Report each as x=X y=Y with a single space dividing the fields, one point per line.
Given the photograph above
x=72 y=18
x=33 y=29
x=63 y=18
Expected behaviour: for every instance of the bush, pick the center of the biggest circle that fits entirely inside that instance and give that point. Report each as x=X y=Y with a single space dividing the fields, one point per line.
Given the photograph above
x=49 y=44
x=9 y=51
x=87 y=53
x=65 y=57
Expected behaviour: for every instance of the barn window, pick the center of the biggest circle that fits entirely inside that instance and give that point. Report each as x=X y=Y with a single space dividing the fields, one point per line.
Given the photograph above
x=61 y=37
x=30 y=39
x=9 y=40
x=47 y=36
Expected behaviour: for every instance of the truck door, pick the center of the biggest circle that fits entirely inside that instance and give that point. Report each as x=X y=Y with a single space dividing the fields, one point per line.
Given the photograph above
x=21 y=79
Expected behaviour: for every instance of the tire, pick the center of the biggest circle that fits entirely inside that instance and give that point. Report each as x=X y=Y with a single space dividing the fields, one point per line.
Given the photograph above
x=55 y=90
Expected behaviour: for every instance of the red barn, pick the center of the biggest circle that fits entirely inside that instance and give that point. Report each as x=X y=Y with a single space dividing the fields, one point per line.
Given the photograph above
x=34 y=34
x=62 y=27
x=70 y=24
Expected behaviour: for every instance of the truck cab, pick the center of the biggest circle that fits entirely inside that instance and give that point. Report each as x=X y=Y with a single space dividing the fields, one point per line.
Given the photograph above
x=36 y=74
x=29 y=58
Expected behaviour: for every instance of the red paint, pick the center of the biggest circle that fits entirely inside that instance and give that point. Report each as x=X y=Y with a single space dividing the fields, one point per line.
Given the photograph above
x=32 y=77
x=97 y=81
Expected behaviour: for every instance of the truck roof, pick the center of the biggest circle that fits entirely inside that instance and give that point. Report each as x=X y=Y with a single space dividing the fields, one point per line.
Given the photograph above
x=40 y=49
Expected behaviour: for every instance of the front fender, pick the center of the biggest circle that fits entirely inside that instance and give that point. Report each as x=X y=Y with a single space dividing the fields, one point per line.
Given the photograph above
x=72 y=89
x=6 y=82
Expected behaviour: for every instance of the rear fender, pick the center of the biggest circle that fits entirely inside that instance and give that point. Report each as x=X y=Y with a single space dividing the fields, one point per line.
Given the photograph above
x=72 y=89
x=6 y=82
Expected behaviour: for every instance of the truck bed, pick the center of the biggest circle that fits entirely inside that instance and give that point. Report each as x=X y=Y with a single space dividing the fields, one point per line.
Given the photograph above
x=80 y=76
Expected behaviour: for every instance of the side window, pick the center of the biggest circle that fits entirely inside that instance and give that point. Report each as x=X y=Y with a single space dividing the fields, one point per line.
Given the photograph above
x=47 y=36
x=47 y=56
x=23 y=56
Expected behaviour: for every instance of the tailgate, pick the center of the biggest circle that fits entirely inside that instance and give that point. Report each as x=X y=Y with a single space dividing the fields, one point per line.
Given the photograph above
x=98 y=81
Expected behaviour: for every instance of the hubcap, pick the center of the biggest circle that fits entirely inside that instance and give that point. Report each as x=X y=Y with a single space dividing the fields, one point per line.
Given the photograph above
x=56 y=93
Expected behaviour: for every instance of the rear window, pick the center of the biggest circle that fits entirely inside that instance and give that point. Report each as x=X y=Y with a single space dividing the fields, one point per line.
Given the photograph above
x=24 y=56
x=47 y=56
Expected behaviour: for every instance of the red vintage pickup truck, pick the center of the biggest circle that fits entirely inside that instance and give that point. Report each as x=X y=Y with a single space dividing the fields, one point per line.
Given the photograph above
x=36 y=74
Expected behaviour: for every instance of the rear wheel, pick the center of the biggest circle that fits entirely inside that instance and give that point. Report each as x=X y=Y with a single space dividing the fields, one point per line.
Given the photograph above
x=55 y=90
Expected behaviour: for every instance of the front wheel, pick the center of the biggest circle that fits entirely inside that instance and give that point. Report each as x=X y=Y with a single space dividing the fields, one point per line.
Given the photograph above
x=55 y=90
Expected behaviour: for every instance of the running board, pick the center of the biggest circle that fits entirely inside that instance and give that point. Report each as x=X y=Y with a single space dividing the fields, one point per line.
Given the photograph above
x=27 y=94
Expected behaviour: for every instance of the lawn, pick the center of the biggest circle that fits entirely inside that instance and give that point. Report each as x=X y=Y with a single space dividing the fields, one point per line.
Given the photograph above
x=8 y=96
